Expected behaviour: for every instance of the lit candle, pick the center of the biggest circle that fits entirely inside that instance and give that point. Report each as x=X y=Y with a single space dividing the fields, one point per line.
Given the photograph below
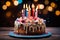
x=33 y=10
x=22 y=13
x=26 y=12
x=29 y=11
x=24 y=9
x=36 y=13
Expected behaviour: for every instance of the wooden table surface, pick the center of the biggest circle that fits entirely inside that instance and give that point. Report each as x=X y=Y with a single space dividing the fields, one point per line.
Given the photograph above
x=54 y=30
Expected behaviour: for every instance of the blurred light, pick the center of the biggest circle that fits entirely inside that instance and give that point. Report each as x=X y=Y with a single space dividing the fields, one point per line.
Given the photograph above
x=19 y=1
x=53 y=4
x=40 y=6
x=8 y=14
x=33 y=6
x=8 y=3
x=45 y=11
x=35 y=0
x=15 y=3
x=46 y=2
x=4 y=7
x=57 y=13
x=50 y=8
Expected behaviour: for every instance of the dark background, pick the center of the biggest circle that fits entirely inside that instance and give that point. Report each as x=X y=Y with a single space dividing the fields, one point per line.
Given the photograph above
x=51 y=19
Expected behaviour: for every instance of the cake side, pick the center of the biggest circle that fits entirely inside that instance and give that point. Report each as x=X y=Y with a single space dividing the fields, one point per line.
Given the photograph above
x=29 y=26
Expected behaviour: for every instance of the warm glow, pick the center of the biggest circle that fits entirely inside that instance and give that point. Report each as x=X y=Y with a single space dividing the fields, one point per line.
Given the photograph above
x=15 y=3
x=57 y=12
x=4 y=7
x=8 y=3
x=40 y=6
x=46 y=2
x=35 y=0
x=33 y=6
x=53 y=4
x=50 y=8
x=8 y=14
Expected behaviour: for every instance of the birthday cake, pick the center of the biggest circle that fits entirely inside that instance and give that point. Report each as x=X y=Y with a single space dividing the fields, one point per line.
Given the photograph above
x=29 y=25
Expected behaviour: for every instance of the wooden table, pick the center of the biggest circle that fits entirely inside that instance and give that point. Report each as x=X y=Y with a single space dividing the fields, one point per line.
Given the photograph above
x=54 y=30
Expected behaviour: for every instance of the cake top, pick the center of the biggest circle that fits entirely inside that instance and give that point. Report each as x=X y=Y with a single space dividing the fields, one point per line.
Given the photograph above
x=29 y=20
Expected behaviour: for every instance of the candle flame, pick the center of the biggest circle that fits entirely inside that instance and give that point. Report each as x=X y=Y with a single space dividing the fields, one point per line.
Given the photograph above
x=24 y=6
x=33 y=5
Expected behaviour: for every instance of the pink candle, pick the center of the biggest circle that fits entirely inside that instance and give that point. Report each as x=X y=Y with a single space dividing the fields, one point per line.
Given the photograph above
x=36 y=13
x=22 y=13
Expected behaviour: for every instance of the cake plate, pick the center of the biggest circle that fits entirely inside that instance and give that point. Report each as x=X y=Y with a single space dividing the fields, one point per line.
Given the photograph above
x=12 y=34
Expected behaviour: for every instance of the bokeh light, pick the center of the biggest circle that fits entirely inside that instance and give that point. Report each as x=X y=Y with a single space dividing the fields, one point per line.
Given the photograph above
x=46 y=2
x=8 y=3
x=16 y=3
x=57 y=12
x=19 y=1
x=8 y=14
x=40 y=6
x=35 y=0
x=4 y=7
x=53 y=4
x=49 y=8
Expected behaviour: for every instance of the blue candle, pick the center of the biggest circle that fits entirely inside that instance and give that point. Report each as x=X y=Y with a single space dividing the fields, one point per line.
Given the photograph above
x=26 y=14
